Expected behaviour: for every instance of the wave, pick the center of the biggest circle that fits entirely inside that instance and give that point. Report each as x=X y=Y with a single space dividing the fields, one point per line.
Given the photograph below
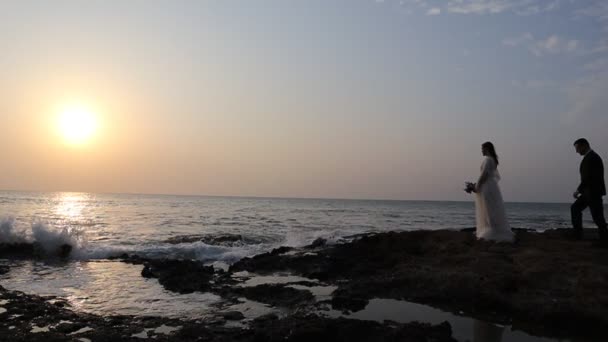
x=194 y=251
x=8 y=234
x=47 y=240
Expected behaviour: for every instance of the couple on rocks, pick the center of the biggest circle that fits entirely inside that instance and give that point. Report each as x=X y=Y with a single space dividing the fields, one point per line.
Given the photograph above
x=491 y=218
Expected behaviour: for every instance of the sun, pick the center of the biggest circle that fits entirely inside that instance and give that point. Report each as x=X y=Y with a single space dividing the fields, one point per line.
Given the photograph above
x=77 y=124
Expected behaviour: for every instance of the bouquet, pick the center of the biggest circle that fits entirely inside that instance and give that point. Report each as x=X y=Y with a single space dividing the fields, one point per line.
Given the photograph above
x=469 y=187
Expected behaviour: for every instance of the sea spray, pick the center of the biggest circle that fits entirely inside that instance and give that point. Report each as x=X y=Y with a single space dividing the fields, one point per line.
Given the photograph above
x=53 y=241
x=8 y=233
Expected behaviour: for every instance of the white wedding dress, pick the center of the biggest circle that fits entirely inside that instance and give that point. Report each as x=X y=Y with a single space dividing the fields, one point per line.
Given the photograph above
x=490 y=212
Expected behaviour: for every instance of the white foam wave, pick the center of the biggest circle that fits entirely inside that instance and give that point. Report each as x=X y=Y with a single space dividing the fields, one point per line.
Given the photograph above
x=51 y=239
x=8 y=234
x=48 y=239
x=194 y=251
x=301 y=239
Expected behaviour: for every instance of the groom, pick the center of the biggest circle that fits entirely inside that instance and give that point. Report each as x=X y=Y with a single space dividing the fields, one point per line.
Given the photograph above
x=590 y=192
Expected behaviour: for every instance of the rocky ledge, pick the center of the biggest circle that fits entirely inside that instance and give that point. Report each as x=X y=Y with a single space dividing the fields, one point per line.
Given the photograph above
x=33 y=318
x=544 y=283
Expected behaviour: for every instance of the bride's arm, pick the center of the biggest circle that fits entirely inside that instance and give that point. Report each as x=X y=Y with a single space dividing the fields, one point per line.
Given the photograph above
x=483 y=177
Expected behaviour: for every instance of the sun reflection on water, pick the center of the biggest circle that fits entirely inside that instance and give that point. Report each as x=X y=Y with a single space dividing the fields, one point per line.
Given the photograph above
x=70 y=205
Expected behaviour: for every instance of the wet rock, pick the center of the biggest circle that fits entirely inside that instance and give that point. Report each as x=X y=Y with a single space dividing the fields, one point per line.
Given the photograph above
x=346 y=303
x=276 y=295
x=34 y=250
x=64 y=250
x=16 y=250
x=217 y=239
x=4 y=269
x=183 y=276
x=318 y=243
x=233 y=315
x=315 y=328
x=268 y=328
x=452 y=270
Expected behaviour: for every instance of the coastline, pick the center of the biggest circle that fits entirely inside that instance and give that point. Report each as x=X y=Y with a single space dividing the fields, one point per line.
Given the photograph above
x=543 y=284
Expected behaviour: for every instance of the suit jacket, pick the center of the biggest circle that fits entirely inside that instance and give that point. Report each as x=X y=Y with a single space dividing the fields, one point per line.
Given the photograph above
x=592 y=176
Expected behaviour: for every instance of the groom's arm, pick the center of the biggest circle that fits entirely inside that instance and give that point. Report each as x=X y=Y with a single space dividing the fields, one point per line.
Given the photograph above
x=589 y=169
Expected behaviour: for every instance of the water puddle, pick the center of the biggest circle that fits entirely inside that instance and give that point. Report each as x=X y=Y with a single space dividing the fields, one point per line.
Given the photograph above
x=81 y=331
x=163 y=329
x=251 y=309
x=320 y=293
x=166 y=330
x=251 y=279
x=463 y=328
x=36 y=329
x=143 y=334
x=105 y=288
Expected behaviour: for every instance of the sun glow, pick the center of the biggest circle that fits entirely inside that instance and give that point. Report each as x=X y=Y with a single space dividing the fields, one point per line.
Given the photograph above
x=77 y=124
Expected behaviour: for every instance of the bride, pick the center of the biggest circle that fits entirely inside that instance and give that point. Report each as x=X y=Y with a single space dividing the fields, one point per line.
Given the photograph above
x=489 y=206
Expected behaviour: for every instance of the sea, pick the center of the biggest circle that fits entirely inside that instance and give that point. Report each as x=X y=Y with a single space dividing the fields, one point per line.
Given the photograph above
x=100 y=226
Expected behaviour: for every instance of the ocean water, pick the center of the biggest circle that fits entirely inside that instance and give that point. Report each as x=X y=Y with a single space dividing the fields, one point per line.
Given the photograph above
x=103 y=225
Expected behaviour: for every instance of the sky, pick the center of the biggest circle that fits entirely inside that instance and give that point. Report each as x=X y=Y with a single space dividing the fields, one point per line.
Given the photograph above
x=319 y=98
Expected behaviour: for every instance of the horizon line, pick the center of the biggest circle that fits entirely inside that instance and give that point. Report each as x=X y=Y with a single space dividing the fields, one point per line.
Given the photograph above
x=266 y=197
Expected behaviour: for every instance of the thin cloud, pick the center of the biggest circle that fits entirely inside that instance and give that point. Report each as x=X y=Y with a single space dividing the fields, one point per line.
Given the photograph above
x=551 y=45
x=521 y=7
x=554 y=45
x=434 y=11
x=480 y=7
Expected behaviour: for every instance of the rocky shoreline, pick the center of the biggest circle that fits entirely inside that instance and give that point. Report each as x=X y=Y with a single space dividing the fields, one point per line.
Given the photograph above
x=543 y=284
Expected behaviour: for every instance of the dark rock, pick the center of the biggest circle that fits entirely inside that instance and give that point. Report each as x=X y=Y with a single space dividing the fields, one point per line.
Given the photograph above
x=217 y=239
x=4 y=269
x=16 y=250
x=64 y=250
x=276 y=295
x=318 y=243
x=454 y=271
x=183 y=276
x=35 y=311
x=233 y=316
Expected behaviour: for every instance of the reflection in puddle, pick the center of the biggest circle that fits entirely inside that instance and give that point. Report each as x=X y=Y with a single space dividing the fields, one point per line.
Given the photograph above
x=36 y=329
x=81 y=331
x=321 y=293
x=143 y=334
x=463 y=328
x=251 y=309
x=166 y=330
x=105 y=288
x=255 y=280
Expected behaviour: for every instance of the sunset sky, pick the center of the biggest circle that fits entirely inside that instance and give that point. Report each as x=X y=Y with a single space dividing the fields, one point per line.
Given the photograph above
x=313 y=98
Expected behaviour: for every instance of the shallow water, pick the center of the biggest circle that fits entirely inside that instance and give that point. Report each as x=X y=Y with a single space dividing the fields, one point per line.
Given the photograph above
x=105 y=288
x=463 y=328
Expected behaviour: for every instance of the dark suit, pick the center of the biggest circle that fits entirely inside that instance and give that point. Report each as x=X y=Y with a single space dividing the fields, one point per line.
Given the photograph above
x=592 y=189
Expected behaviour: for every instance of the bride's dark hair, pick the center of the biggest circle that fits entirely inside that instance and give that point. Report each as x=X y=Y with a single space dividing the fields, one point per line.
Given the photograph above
x=491 y=150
